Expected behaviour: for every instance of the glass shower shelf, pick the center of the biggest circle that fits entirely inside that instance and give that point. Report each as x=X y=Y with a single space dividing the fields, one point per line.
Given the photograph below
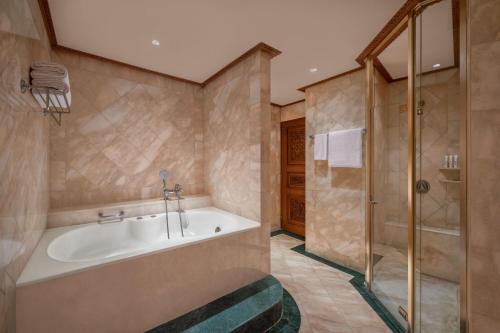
x=451 y=181
x=449 y=169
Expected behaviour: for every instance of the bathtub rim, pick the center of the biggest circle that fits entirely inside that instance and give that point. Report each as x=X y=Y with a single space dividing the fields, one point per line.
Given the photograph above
x=39 y=259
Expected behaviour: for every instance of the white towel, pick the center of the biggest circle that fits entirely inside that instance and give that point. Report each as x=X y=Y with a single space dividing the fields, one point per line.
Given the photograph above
x=320 y=147
x=345 y=148
x=55 y=99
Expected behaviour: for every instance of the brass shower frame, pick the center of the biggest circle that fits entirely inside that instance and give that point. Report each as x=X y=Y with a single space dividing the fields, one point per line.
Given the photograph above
x=410 y=22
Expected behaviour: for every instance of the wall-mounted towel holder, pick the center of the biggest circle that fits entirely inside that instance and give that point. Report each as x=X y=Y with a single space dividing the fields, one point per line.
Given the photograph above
x=51 y=100
x=312 y=136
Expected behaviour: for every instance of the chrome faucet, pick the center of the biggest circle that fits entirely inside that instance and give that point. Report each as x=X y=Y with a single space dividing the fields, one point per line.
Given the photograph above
x=166 y=191
x=177 y=190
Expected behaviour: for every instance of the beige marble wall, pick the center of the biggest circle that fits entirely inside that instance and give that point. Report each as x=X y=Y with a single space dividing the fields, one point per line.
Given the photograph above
x=275 y=167
x=125 y=126
x=439 y=128
x=24 y=148
x=335 y=197
x=234 y=136
x=439 y=208
x=293 y=111
x=484 y=166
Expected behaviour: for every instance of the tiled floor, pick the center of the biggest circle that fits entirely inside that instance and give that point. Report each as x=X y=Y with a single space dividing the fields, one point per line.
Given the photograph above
x=438 y=298
x=327 y=301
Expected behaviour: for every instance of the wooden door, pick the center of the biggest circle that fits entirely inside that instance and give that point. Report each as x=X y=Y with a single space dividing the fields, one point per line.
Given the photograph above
x=293 y=177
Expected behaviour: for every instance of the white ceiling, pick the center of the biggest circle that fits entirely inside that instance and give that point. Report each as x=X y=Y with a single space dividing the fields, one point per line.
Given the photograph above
x=435 y=26
x=199 y=37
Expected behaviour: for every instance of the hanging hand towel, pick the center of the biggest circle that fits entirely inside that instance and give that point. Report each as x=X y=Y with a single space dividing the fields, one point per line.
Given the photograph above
x=320 y=147
x=345 y=148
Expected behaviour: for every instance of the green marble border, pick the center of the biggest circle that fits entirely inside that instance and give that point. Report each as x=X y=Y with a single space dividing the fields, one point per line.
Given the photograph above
x=253 y=295
x=288 y=233
x=223 y=315
x=290 y=319
x=358 y=282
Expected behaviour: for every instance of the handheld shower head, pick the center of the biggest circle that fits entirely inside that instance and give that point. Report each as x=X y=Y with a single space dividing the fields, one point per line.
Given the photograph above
x=163 y=176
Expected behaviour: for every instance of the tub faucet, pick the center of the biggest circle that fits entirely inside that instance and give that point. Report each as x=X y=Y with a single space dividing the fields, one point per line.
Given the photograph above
x=184 y=223
x=166 y=191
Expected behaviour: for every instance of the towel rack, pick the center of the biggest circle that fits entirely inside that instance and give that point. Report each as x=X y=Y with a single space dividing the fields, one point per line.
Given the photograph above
x=55 y=111
x=312 y=136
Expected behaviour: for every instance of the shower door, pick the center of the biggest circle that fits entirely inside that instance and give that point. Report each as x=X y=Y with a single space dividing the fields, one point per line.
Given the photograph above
x=436 y=189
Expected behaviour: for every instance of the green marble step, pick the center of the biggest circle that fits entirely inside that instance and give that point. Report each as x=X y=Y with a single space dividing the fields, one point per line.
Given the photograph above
x=254 y=308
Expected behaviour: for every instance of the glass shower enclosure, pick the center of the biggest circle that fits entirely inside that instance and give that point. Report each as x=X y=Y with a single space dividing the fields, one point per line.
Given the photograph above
x=416 y=218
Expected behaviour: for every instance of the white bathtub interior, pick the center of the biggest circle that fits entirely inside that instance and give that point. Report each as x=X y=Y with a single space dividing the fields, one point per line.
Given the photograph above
x=64 y=250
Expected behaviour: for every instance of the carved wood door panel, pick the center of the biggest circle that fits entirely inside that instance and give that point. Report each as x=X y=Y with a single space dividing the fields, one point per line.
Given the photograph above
x=293 y=178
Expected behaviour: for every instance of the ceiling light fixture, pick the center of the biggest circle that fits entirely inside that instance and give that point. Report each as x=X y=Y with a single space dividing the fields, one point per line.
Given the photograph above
x=436 y=65
x=313 y=70
x=155 y=42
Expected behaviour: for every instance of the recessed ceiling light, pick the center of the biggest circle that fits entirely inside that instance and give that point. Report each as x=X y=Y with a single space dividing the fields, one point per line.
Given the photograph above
x=436 y=65
x=155 y=42
x=313 y=70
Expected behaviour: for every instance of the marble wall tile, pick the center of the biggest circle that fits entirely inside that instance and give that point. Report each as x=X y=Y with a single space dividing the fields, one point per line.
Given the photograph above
x=237 y=147
x=125 y=126
x=275 y=167
x=440 y=136
x=89 y=214
x=335 y=196
x=234 y=133
x=484 y=251
x=293 y=111
x=24 y=148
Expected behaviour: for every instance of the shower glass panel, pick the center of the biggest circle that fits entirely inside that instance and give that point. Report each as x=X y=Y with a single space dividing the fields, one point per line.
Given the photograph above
x=437 y=211
x=390 y=240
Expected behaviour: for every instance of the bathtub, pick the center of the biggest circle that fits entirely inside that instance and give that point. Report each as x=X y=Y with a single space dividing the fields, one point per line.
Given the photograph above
x=130 y=277
x=71 y=249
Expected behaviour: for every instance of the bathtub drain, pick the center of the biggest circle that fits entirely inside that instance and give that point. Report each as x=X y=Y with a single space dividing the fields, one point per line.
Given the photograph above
x=218 y=229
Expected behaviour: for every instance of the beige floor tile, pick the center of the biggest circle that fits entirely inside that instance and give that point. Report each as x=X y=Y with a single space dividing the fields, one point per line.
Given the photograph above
x=326 y=299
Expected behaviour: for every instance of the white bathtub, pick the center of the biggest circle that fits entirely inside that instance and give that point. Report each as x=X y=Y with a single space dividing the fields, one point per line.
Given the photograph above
x=65 y=250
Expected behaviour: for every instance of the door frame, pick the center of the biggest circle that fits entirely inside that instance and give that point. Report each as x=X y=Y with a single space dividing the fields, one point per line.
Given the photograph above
x=283 y=181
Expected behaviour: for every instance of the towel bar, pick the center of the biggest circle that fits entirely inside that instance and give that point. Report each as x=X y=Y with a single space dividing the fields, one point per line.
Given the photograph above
x=312 y=136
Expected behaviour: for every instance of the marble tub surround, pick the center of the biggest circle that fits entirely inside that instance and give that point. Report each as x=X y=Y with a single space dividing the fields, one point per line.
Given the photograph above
x=115 y=302
x=335 y=227
x=126 y=126
x=484 y=190
x=88 y=214
x=24 y=148
x=73 y=249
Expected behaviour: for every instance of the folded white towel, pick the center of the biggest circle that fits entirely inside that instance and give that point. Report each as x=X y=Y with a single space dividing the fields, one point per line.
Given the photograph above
x=61 y=84
x=345 y=148
x=49 y=67
x=57 y=100
x=320 y=147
